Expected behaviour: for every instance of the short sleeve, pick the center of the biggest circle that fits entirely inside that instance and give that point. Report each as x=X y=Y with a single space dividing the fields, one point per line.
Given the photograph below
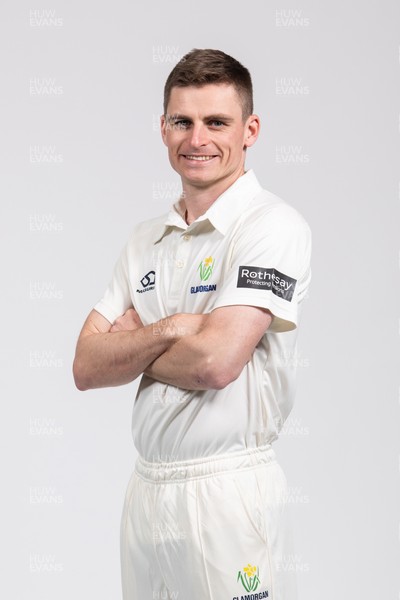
x=117 y=297
x=270 y=267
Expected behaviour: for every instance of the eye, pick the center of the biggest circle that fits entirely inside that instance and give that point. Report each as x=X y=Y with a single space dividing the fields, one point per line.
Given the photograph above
x=216 y=123
x=181 y=124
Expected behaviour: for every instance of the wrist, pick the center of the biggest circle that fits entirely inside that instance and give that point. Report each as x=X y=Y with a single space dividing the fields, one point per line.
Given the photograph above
x=167 y=329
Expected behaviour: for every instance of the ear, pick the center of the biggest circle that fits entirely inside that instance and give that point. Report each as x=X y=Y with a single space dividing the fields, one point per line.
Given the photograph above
x=163 y=124
x=252 y=129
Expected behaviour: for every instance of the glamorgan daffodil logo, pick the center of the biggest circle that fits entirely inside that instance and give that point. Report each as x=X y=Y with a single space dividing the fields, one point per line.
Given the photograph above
x=249 y=579
x=206 y=268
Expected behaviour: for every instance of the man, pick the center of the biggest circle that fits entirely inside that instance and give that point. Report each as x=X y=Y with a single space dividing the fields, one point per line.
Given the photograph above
x=205 y=302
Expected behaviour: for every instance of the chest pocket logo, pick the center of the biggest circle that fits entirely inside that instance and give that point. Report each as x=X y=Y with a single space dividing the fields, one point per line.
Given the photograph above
x=148 y=282
x=148 y=279
x=206 y=268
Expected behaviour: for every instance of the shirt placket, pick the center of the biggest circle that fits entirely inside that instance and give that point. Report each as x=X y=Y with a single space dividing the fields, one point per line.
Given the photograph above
x=181 y=264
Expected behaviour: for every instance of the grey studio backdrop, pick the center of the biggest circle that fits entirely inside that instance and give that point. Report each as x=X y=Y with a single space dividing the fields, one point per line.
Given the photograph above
x=82 y=162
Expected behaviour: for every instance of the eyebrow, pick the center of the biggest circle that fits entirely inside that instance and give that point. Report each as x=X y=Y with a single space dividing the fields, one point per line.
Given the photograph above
x=220 y=117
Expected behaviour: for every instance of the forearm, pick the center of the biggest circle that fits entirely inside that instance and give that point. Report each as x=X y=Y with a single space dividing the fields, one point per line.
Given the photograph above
x=193 y=364
x=111 y=359
x=214 y=356
x=178 y=366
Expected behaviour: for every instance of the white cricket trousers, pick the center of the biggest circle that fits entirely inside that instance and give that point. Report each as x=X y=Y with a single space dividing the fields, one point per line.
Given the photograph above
x=207 y=529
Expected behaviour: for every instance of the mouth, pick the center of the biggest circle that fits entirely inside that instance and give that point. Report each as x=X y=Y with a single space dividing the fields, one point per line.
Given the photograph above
x=199 y=157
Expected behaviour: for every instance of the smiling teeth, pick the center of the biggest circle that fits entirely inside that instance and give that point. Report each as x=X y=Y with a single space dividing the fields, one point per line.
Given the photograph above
x=191 y=157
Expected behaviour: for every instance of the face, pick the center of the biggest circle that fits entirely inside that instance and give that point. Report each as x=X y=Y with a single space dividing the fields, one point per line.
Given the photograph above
x=205 y=134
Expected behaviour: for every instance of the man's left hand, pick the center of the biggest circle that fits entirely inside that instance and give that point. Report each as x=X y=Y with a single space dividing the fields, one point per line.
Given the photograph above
x=127 y=322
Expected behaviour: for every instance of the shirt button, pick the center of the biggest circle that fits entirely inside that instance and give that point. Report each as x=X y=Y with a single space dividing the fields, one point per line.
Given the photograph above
x=180 y=264
x=186 y=237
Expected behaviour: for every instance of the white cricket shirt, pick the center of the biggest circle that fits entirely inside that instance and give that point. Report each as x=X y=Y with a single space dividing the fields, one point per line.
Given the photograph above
x=249 y=248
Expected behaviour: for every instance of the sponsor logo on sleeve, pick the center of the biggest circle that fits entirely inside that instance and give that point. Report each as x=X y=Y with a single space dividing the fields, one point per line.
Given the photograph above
x=147 y=282
x=260 y=278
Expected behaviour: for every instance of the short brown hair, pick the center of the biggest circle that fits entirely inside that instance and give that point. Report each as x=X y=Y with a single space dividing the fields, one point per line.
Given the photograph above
x=201 y=66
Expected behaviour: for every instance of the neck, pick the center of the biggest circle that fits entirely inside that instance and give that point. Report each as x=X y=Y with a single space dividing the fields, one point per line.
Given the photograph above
x=196 y=200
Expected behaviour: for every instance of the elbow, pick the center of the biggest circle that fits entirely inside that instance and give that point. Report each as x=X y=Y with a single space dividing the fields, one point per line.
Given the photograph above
x=217 y=376
x=79 y=376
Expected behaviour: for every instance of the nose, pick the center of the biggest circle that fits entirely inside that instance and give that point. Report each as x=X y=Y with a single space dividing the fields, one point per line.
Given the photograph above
x=199 y=135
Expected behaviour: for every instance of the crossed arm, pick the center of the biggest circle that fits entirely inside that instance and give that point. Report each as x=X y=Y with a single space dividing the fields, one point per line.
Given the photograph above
x=193 y=352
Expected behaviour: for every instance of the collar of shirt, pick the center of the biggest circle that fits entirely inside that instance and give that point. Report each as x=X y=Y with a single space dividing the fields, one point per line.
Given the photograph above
x=224 y=210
